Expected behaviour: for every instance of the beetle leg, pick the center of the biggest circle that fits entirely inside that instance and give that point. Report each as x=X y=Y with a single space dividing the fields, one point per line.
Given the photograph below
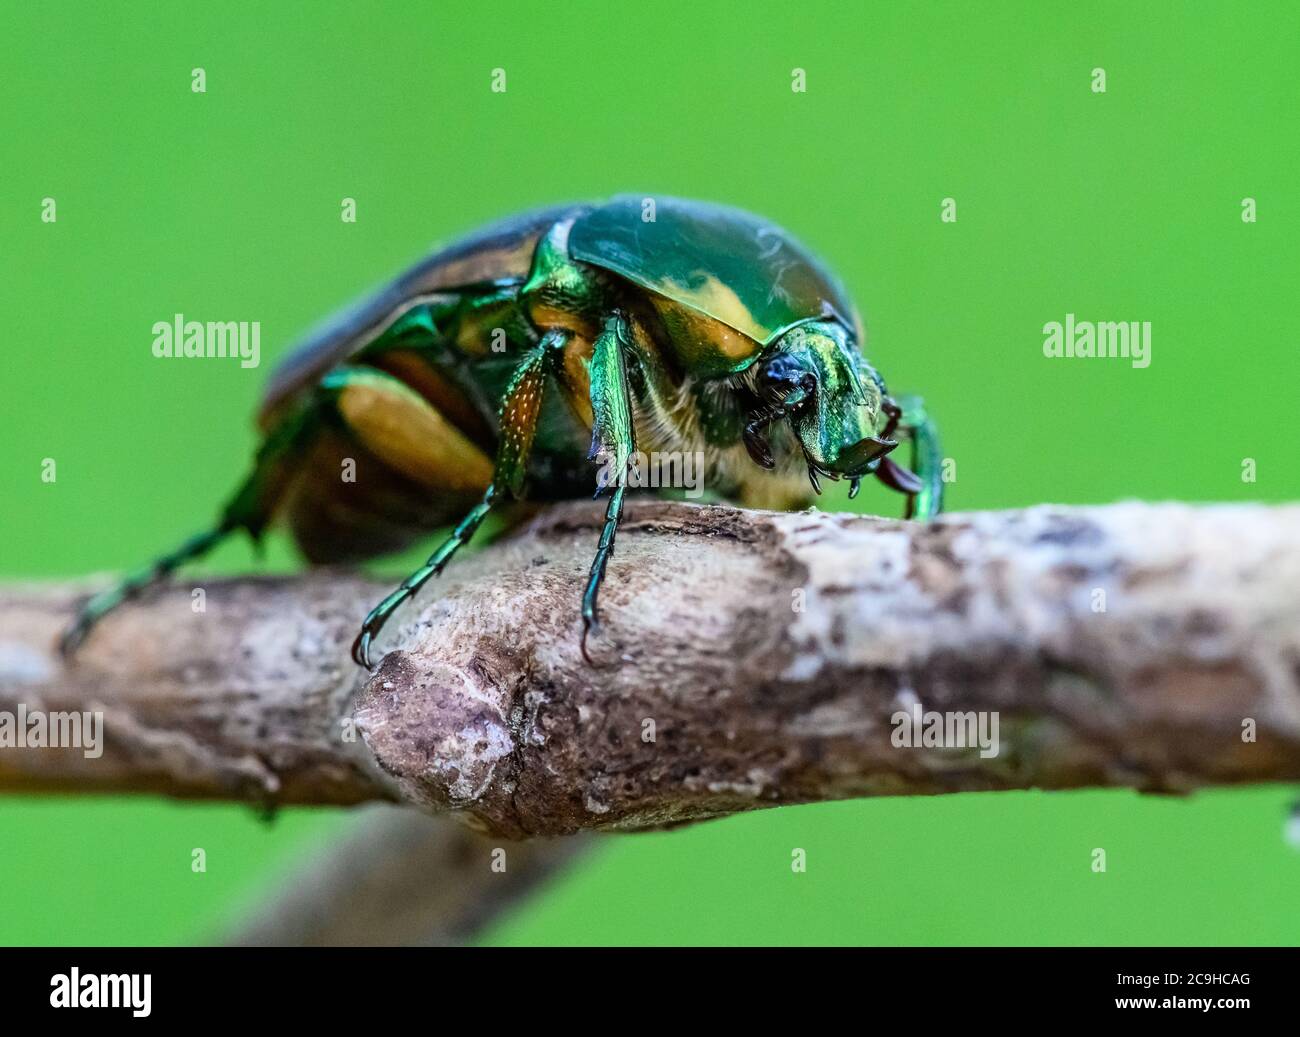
x=520 y=409
x=249 y=509
x=923 y=484
x=613 y=443
x=155 y=572
x=378 y=616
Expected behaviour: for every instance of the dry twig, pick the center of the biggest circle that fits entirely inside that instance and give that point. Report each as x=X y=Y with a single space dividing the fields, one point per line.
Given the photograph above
x=749 y=659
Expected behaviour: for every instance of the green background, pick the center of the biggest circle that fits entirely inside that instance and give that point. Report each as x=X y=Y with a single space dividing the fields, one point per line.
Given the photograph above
x=225 y=206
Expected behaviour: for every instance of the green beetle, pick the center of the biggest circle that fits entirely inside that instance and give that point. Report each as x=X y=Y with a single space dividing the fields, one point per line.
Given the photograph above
x=523 y=353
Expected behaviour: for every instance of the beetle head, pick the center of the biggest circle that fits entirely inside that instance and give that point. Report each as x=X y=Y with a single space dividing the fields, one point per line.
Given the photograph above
x=814 y=377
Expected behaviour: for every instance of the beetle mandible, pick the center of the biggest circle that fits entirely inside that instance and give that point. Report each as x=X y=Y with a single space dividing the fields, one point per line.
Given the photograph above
x=550 y=340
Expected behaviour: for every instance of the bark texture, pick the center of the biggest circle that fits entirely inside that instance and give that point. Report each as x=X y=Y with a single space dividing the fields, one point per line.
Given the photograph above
x=747 y=659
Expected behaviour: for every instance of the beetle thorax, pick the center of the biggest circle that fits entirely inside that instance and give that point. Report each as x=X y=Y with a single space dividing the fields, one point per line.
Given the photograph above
x=696 y=427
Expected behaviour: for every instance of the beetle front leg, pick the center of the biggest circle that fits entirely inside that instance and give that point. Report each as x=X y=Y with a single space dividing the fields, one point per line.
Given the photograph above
x=927 y=459
x=924 y=483
x=613 y=442
x=520 y=409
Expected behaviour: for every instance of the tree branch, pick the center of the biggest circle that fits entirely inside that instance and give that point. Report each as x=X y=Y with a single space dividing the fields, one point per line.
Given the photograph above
x=399 y=878
x=748 y=659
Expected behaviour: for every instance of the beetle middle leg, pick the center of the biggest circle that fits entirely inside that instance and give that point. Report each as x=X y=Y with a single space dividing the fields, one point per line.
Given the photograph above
x=520 y=409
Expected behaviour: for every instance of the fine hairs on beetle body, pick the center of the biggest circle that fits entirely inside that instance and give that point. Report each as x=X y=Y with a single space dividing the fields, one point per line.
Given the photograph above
x=550 y=345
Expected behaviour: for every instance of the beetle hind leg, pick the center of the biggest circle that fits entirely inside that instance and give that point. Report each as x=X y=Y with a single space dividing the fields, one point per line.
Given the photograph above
x=106 y=601
x=249 y=509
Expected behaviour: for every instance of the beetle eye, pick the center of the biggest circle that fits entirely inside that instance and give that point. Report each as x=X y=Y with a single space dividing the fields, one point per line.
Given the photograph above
x=779 y=379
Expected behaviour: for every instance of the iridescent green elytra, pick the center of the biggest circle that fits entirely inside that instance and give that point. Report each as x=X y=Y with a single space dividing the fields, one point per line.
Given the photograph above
x=607 y=333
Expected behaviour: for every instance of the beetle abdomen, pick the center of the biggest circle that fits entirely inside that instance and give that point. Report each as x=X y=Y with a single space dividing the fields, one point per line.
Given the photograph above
x=334 y=521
